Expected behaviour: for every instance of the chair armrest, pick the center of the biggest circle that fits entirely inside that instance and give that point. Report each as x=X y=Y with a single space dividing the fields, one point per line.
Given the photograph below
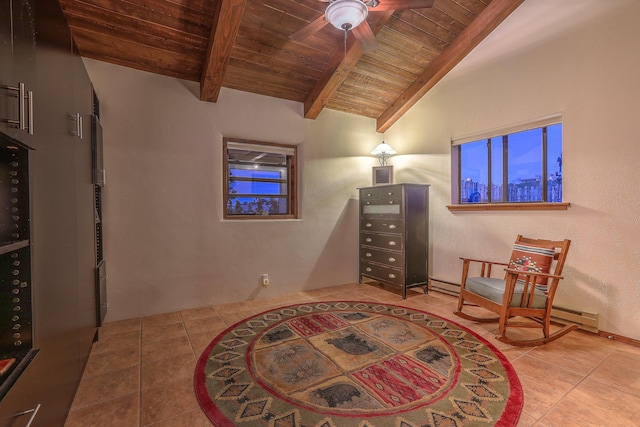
x=485 y=269
x=484 y=261
x=532 y=273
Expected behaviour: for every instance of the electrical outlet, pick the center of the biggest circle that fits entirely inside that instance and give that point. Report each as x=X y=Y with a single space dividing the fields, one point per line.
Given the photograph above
x=265 y=280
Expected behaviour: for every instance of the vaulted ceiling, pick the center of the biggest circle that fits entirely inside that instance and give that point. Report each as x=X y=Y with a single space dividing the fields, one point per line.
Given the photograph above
x=245 y=45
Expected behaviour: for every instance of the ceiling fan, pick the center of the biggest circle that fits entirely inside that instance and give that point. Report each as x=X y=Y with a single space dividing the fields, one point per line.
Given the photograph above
x=351 y=15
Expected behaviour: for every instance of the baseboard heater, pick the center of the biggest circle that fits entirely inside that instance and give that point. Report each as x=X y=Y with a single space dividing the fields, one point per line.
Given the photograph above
x=584 y=320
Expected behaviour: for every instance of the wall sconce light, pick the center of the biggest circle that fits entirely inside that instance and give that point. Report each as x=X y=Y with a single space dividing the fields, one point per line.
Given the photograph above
x=383 y=151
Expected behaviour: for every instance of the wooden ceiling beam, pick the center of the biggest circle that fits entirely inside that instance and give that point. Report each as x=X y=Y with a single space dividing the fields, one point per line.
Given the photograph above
x=496 y=12
x=338 y=72
x=226 y=22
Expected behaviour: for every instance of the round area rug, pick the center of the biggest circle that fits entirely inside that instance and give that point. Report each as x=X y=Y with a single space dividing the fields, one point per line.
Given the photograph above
x=345 y=363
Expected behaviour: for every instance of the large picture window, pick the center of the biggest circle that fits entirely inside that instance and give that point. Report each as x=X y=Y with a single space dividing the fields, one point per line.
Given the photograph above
x=521 y=166
x=260 y=180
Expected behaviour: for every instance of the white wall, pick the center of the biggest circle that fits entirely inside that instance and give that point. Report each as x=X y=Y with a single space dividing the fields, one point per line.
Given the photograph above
x=166 y=245
x=589 y=73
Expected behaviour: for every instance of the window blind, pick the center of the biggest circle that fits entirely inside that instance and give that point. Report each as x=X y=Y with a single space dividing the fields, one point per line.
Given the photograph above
x=518 y=127
x=272 y=149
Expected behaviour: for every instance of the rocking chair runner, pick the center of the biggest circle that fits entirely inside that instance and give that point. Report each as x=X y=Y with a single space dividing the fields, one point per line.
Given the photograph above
x=523 y=298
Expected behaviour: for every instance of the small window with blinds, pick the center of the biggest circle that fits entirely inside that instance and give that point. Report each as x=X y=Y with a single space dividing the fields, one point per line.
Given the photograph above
x=519 y=164
x=260 y=180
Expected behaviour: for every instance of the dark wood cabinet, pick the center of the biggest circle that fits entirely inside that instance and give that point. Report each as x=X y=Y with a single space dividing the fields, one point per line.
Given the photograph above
x=62 y=242
x=394 y=235
x=17 y=69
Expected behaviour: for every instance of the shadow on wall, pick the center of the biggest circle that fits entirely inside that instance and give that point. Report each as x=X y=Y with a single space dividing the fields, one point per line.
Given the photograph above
x=340 y=253
x=588 y=287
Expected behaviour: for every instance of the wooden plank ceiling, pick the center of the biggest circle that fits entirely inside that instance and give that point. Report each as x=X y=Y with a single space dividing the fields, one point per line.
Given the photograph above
x=245 y=45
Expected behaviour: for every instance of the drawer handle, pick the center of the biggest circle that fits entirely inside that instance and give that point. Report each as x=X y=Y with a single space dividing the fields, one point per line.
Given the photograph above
x=368 y=255
x=392 y=259
x=368 y=194
x=33 y=413
x=368 y=224
x=368 y=203
x=392 y=243
x=390 y=202
x=392 y=226
x=368 y=269
x=390 y=193
x=392 y=276
x=368 y=240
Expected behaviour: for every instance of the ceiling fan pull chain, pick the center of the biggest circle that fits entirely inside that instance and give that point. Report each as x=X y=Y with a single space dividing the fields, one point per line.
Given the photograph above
x=345 y=45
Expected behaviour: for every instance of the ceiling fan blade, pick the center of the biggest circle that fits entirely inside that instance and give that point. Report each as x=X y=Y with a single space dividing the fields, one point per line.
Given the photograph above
x=309 y=29
x=402 y=4
x=365 y=36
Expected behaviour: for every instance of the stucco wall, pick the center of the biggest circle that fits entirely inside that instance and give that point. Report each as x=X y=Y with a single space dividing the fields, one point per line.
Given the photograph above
x=166 y=245
x=589 y=73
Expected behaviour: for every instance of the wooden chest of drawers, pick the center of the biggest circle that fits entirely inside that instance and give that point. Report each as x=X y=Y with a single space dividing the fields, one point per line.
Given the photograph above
x=394 y=234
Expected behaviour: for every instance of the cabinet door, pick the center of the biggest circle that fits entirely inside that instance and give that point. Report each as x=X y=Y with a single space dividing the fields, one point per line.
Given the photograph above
x=19 y=406
x=85 y=213
x=6 y=67
x=53 y=380
x=24 y=66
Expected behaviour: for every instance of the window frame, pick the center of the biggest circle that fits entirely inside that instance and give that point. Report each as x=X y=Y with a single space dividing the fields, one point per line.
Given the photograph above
x=504 y=204
x=292 y=179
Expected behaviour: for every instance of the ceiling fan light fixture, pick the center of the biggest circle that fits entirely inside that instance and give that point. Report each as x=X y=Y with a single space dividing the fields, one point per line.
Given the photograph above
x=346 y=14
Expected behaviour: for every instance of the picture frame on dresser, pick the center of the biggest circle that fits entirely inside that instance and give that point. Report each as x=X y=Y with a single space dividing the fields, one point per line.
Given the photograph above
x=382 y=175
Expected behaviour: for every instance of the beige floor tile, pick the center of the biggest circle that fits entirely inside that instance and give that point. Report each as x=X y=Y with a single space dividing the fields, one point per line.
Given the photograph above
x=199 y=342
x=621 y=371
x=571 y=359
x=167 y=348
x=107 y=386
x=141 y=370
x=551 y=375
x=539 y=397
x=232 y=317
x=161 y=319
x=127 y=340
x=526 y=420
x=189 y=419
x=627 y=348
x=205 y=324
x=119 y=327
x=593 y=404
x=167 y=401
x=162 y=331
x=109 y=361
x=163 y=372
x=121 y=412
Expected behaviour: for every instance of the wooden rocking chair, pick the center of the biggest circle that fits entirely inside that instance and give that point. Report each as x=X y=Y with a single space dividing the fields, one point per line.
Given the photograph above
x=525 y=293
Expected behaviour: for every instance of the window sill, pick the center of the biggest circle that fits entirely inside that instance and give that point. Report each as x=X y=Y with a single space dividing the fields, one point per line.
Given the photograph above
x=541 y=206
x=271 y=218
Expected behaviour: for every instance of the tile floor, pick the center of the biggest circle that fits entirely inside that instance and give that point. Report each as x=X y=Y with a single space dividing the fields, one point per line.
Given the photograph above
x=140 y=373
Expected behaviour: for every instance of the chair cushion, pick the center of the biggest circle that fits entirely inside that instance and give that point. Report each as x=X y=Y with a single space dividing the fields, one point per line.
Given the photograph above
x=493 y=289
x=533 y=258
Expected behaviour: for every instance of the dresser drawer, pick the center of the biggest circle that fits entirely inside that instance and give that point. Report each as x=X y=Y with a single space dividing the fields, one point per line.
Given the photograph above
x=395 y=226
x=382 y=193
x=369 y=194
x=385 y=241
x=382 y=272
x=393 y=259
